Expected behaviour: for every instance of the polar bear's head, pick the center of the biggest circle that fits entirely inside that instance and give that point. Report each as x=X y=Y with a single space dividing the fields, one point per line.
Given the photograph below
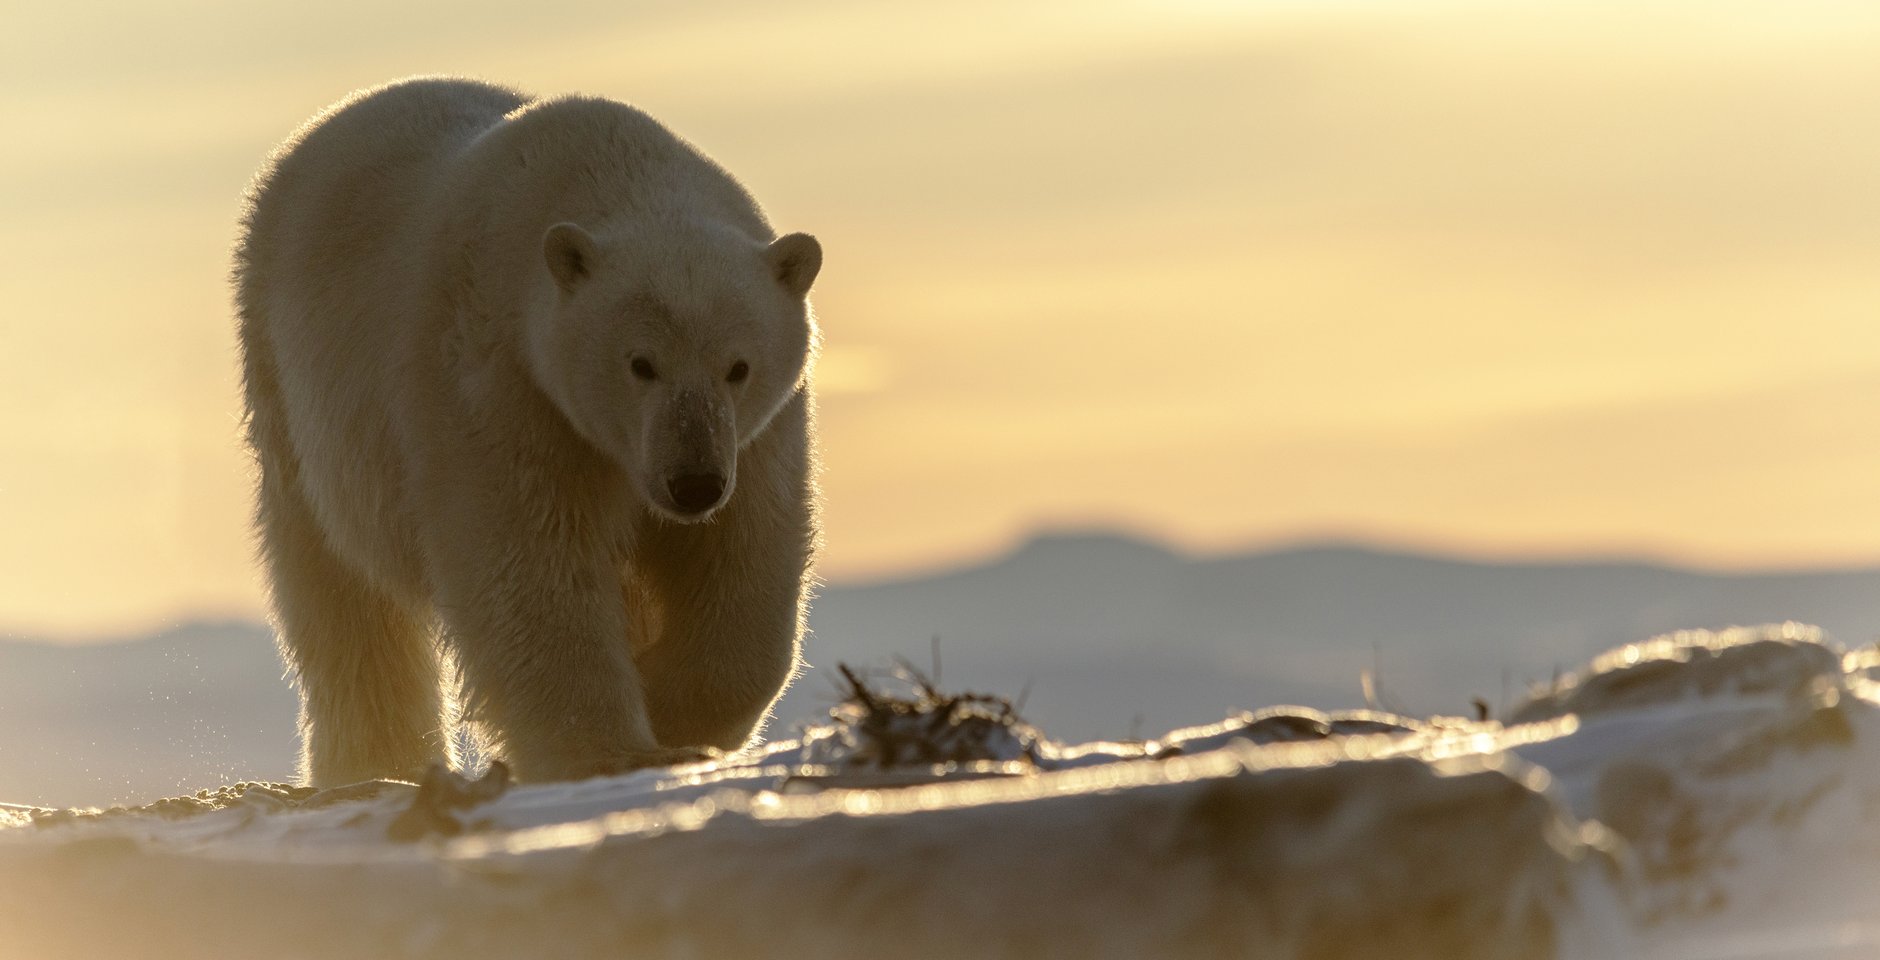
x=670 y=350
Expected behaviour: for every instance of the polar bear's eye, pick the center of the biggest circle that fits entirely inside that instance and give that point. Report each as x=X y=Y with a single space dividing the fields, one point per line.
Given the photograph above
x=739 y=371
x=643 y=368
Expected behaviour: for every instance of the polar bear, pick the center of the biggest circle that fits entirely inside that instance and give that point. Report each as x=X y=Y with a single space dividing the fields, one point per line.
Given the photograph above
x=527 y=382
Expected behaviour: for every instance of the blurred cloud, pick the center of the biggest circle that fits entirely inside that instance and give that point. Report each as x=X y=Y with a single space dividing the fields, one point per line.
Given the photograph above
x=853 y=369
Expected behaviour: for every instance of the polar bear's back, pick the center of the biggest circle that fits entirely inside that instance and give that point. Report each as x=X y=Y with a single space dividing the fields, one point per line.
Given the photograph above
x=334 y=232
x=327 y=277
x=341 y=194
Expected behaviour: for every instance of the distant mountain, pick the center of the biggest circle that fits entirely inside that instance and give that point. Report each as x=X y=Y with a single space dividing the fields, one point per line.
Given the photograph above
x=1107 y=628
x=1102 y=633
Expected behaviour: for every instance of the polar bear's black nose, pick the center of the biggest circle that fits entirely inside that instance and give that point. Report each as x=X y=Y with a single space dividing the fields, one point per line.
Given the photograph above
x=696 y=492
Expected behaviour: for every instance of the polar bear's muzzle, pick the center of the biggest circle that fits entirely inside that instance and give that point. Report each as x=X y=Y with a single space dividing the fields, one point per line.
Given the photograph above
x=693 y=456
x=696 y=493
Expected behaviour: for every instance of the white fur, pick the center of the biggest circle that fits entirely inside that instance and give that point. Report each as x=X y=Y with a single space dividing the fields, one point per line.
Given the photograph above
x=443 y=288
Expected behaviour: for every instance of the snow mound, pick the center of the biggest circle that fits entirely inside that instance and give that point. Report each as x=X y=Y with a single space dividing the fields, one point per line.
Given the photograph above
x=1694 y=796
x=1742 y=770
x=1789 y=659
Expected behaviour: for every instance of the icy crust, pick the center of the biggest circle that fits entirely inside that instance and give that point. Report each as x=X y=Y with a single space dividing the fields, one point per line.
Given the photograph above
x=1288 y=725
x=1290 y=851
x=1790 y=659
x=913 y=727
x=1699 y=795
x=924 y=733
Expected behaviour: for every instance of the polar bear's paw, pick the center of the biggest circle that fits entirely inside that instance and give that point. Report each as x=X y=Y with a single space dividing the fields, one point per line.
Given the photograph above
x=656 y=758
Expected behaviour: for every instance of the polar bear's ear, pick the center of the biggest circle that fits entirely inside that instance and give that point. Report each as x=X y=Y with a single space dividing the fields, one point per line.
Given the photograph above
x=570 y=254
x=794 y=260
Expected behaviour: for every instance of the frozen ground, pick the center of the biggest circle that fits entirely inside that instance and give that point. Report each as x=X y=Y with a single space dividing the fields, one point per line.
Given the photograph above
x=1696 y=796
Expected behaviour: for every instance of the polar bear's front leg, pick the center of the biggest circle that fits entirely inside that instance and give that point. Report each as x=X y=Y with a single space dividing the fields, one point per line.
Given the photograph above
x=729 y=600
x=537 y=624
x=728 y=644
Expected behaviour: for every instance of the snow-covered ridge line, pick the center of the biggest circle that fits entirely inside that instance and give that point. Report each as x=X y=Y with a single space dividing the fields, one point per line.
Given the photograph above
x=1667 y=801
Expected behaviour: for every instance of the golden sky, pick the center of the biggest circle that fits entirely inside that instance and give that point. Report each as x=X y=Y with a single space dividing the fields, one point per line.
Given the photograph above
x=1503 y=278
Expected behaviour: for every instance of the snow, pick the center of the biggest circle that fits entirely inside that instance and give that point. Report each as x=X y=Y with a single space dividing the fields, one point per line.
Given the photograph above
x=1697 y=796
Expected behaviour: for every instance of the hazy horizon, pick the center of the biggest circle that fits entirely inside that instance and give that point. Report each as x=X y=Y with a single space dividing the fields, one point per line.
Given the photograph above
x=1499 y=280
x=1007 y=551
